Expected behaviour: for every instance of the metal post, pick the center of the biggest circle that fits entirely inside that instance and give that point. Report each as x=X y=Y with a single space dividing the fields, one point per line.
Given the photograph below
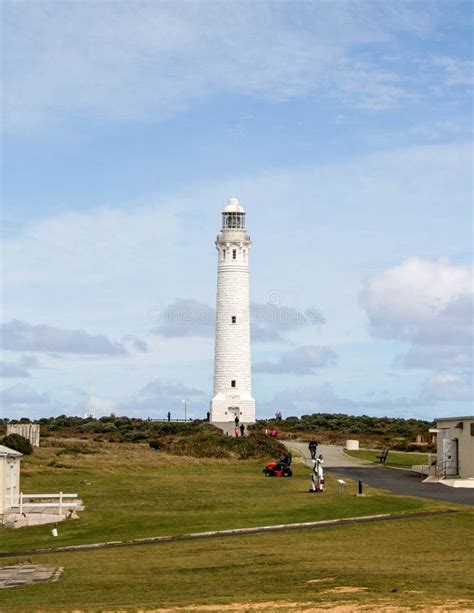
x=185 y=402
x=61 y=503
x=21 y=502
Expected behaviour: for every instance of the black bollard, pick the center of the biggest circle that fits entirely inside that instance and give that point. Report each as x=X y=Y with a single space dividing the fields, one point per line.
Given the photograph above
x=360 y=488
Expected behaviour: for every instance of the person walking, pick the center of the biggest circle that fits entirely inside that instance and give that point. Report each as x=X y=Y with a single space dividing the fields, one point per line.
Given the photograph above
x=237 y=431
x=236 y=420
x=313 y=446
x=242 y=430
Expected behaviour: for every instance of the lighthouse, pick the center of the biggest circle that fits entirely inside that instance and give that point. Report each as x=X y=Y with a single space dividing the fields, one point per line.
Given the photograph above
x=232 y=361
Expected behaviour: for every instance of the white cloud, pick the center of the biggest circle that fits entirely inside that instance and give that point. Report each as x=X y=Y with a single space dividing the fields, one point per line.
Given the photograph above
x=185 y=317
x=18 y=368
x=137 y=60
x=448 y=386
x=13 y=370
x=311 y=399
x=189 y=317
x=437 y=356
x=22 y=396
x=103 y=270
x=428 y=303
x=458 y=72
x=136 y=343
x=305 y=360
x=439 y=390
x=159 y=396
x=93 y=246
x=97 y=406
x=22 y=336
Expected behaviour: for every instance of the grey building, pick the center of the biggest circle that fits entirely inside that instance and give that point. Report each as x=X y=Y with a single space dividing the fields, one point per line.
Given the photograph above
x=455 y=445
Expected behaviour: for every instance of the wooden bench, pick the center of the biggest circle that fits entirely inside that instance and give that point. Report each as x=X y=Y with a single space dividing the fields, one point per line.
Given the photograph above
x=382 y=458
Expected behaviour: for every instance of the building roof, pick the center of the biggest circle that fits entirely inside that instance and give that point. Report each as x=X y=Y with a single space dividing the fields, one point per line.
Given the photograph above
x=6 y=451
x=454 y=418
x=234 y=206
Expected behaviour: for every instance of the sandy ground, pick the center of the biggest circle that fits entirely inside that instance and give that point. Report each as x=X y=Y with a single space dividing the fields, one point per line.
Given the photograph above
x=458 y=606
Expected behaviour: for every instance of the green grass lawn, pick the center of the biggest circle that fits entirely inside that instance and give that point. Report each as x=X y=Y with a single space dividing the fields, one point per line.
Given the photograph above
x=415 y=563
x=131 y=491
x=400 y=459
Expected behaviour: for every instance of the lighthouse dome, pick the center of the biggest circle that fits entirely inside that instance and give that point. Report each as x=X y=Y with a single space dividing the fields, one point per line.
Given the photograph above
x=234 y=206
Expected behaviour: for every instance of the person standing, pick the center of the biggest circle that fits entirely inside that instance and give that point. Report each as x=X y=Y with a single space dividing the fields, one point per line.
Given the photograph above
x=242 y=430
x=313 y=446
x=317 y=476
x=236 y=420
x=169 y=416
x=208 y=416
x=237 y=431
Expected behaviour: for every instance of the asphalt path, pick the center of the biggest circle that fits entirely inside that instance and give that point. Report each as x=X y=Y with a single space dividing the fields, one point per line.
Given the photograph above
x=396 y=481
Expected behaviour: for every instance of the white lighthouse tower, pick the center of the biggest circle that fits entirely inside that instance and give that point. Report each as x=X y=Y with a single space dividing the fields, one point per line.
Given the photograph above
x=232 y=362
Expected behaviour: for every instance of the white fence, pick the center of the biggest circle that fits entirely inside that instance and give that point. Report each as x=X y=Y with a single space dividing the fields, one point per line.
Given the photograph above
x=60 y=500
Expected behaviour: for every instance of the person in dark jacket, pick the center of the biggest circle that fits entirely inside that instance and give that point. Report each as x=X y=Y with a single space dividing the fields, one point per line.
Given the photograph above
x=313 y=446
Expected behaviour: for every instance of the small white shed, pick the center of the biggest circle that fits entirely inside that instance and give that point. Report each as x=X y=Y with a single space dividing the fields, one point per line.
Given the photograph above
x=9 y=477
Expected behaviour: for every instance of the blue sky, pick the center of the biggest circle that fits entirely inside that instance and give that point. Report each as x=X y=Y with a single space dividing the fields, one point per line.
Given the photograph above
x=345 y=128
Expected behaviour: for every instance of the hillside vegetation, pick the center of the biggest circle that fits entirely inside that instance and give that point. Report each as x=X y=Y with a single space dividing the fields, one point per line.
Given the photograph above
x=372 y=432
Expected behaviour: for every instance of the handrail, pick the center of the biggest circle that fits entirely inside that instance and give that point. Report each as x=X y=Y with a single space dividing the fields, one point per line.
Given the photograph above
x=440 y=467
x=63 y=499
x=61 y=494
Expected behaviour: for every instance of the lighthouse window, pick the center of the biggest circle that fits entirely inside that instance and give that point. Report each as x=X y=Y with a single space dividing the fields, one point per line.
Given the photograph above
x=232 y=383
x=234 y=254
x=234 y=319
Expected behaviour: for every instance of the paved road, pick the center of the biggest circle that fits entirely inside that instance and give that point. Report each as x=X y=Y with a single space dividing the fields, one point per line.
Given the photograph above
x=333 y=456
x=401 y=482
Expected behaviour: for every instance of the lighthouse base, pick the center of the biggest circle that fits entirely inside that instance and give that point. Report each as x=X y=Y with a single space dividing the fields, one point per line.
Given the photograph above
x=226 y=407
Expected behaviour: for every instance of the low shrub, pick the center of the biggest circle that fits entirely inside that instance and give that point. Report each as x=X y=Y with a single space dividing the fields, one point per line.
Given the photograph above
x=217 y=445
x=17 y=443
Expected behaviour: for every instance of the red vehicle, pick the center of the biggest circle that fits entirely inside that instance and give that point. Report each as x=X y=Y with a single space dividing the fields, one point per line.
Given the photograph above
x=279 y=468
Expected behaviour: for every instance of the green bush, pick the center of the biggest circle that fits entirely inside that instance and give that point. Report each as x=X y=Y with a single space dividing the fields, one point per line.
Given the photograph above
x=18 y=443
x=217 y=445
x=400 y=446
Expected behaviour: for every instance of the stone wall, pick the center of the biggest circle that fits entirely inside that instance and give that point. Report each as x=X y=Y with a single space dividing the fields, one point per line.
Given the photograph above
x=29 y=431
